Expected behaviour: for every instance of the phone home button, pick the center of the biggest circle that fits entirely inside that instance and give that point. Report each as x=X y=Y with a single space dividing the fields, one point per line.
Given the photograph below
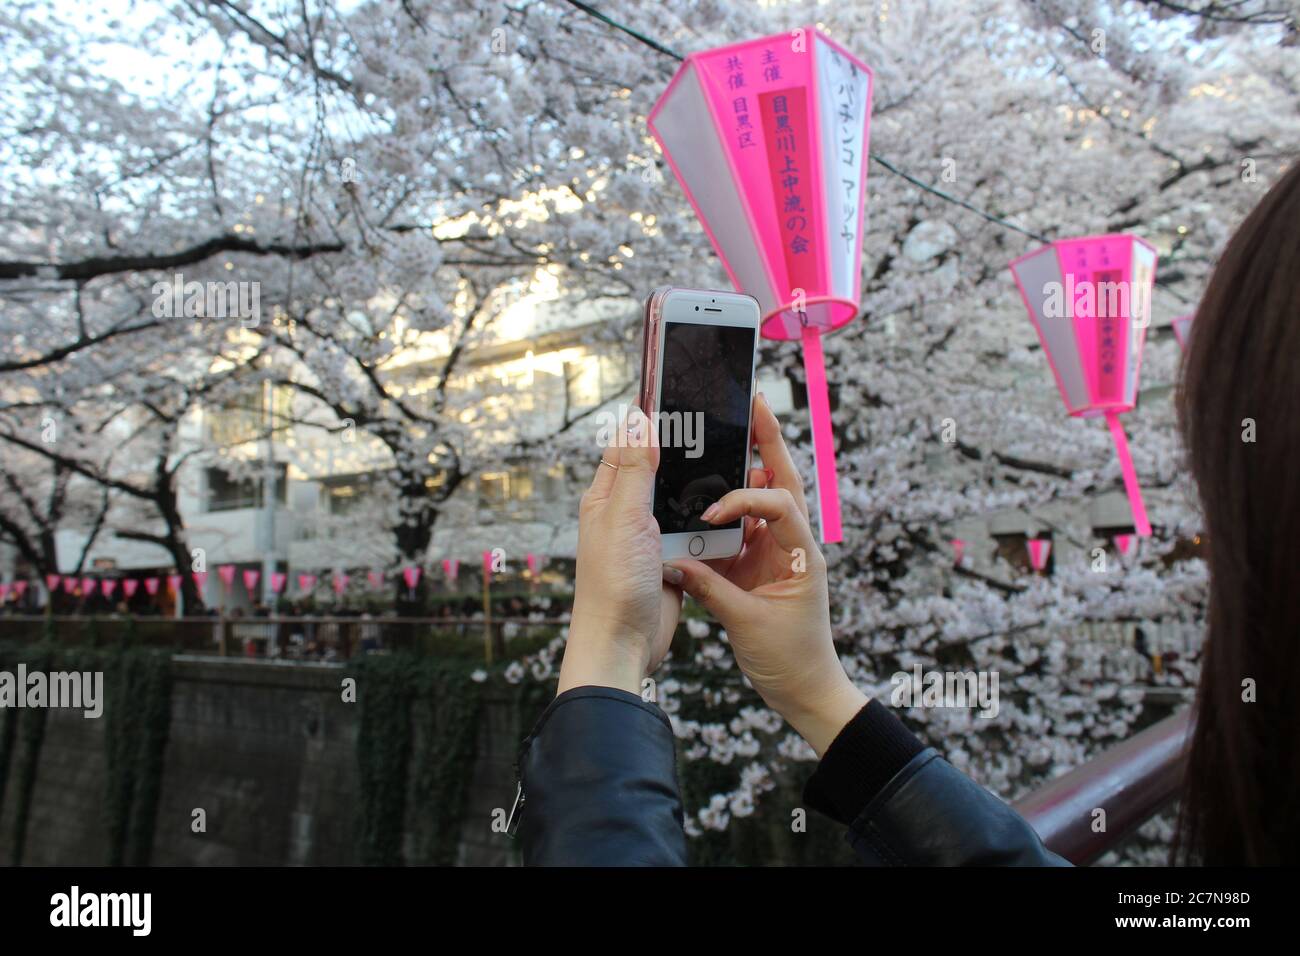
x=696 y=545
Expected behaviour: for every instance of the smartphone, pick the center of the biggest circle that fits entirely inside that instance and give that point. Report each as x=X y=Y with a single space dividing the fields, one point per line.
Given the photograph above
x=697 y=388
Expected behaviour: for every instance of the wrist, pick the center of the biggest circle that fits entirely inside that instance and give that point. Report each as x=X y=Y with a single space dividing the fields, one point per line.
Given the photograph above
x=819 y=717
x=598 y=660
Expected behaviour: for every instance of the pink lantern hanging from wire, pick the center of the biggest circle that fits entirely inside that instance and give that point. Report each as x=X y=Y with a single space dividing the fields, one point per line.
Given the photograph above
x=1090 y=301
x=1182 y=326
x=769 y=140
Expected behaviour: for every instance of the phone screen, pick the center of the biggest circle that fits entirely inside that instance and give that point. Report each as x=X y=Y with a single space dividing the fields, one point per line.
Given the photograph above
x=704 y=404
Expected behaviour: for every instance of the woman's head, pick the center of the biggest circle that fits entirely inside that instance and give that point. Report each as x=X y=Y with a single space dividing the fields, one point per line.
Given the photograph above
x=1239 y=409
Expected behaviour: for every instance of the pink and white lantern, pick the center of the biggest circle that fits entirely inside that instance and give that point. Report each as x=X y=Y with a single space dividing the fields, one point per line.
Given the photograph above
x=1090 y=301
x=340 y=582
x=251 y=577
x=1182 y=326
x=130 y=586
x=958 y=550
x=375 y=579
x=52 y=582
x=1040 y=549
x=151 y=585
x=769 y=140
x=451 y=568
x=411 y=577
x=20 y=588
x=278 y=580
x=227 y=574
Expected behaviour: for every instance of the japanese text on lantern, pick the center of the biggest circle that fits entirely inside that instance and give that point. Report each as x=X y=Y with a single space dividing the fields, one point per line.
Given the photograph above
x=1108 y=319
x=849 y=120
x=785 y=122
x=744 y=130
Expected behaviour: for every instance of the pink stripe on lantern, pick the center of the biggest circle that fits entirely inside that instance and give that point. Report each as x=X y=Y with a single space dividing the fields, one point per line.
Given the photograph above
x=487 y=565
x=958 y=550
x=1123 y=542
x=20 y=588
x=227 y=574
x=130 y=586
x=340 y=582
x=451 y=568
x=52 y=582
x=306 y=582
x=251 y=577
x=110 y=585
x=4 y=589
x=376 y=579
x=1140 y=521
x=88 y=586
x=151 y=585
x=200 y=579
x=532 y=562
x=69 y=585
x=278 y=579
x=819 y=411
x=411 y=575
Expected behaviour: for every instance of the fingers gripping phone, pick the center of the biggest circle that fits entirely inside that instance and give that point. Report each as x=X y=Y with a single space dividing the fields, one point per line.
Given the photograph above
x=697 y=388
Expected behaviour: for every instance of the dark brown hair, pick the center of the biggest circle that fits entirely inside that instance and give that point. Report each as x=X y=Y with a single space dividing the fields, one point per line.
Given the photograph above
x=1239 y=411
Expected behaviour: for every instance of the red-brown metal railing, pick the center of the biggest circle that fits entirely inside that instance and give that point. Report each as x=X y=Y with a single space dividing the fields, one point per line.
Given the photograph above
x=1130 y=783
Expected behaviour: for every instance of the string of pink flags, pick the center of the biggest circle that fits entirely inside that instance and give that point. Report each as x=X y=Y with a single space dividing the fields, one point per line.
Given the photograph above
x=282 y=583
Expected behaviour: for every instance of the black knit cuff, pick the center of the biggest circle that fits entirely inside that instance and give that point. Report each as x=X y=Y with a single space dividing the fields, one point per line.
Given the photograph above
x=862 y=759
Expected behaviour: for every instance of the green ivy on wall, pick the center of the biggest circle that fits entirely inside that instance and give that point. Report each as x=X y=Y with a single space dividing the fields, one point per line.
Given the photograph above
x=417 y=746
x=137 y=711
x=383 y=754
x=136 y=715
x=32 y=727
x=447 y=708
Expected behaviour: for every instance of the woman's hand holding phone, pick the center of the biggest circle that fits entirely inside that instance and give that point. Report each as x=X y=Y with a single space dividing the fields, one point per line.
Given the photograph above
x=773 y=599
x=624 y=615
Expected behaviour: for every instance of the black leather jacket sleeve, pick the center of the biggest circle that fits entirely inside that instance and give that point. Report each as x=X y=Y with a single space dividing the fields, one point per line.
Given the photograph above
x=598 y=786
x=932 y=814
x=598 y=782
x=905 y=805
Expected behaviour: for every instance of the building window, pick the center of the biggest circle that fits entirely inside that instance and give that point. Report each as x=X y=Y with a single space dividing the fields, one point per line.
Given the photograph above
x=227 y=493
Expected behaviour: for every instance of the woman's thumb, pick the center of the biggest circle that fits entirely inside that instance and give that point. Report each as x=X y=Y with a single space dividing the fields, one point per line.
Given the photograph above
x=715 y=593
